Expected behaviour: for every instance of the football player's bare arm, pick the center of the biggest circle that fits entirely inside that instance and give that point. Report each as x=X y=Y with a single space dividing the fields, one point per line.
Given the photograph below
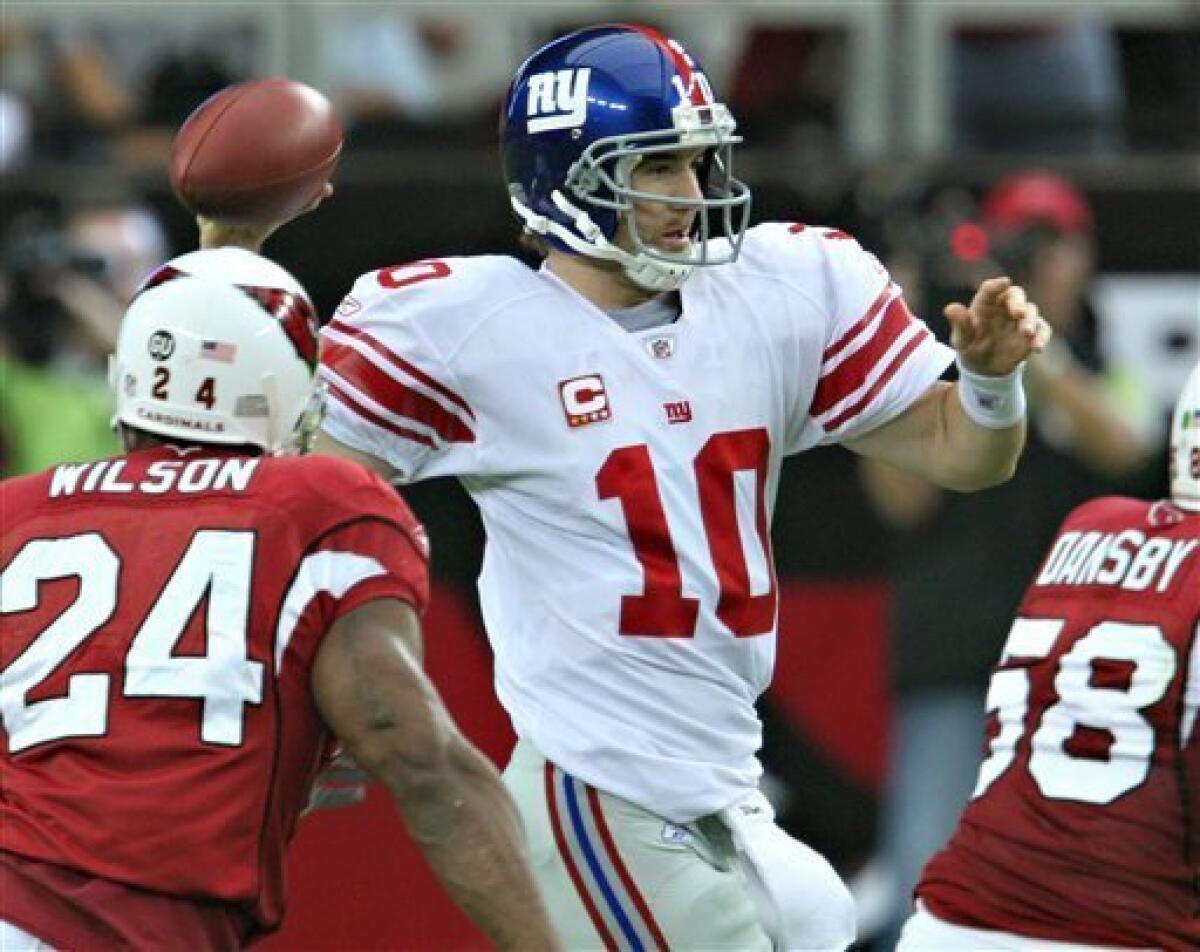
x=324 y=443
x=936 y=438
x=372 y=693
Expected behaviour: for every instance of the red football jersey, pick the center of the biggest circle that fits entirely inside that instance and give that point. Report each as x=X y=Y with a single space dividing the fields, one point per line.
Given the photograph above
x=1083 y=826
x=160 y=616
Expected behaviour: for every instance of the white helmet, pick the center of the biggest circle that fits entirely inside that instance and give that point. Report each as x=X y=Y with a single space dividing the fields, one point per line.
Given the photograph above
x=231 y=265
x=212 y=361
x=1185 y=446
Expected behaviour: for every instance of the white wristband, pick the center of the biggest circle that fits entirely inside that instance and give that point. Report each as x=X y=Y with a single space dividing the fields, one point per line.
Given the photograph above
x=993 y=402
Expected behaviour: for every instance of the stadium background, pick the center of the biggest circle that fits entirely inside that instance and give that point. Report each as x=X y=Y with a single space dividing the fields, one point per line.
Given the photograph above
x=853 y=118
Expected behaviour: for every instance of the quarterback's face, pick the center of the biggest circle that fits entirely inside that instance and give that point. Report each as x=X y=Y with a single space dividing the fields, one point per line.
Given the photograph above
x=660 y=225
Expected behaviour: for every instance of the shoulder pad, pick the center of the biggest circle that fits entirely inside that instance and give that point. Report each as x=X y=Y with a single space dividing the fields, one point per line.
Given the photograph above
x=442 y=285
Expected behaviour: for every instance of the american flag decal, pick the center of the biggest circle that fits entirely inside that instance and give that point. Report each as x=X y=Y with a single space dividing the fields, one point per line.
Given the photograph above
x=218 y=351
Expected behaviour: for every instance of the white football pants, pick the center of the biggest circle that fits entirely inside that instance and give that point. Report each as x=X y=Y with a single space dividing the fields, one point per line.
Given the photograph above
x=615 y=876
x=13 y=939
x=926 y=931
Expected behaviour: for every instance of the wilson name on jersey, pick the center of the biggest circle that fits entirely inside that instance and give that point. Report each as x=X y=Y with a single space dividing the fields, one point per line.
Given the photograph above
x=160 y=615
x=626 y=479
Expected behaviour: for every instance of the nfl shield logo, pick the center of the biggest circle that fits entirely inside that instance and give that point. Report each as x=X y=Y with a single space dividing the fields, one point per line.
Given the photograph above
x=661 y=347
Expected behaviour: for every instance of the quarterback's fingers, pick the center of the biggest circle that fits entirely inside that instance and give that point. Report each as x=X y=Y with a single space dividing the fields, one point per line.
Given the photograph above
x=1042 y=337
x=957 y=313
x=991 y=290
x=325 y=193
x=1029 y=320
x=960 y=317
x=1015 y=300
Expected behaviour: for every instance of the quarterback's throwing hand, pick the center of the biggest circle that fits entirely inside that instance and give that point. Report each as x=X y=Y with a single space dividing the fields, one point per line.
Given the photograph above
x=999 y=329
x=216 y=233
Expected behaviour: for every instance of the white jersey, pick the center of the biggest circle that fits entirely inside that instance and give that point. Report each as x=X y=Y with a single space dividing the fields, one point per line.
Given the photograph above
x=627 y=480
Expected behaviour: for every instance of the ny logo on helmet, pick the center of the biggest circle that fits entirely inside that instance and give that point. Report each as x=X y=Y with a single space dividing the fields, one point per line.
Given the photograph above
x=558 y=99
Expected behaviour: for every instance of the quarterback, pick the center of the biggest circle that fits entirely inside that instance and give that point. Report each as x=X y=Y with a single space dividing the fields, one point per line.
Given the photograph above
x=620 y=416
x=1081 y=831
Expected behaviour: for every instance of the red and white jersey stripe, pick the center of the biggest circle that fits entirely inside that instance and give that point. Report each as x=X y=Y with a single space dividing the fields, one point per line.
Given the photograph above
x=626 y=479
x=398 y=395
x=862 y=361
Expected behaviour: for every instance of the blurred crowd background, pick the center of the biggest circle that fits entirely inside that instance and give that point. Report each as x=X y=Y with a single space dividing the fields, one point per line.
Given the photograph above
x=1056 y=141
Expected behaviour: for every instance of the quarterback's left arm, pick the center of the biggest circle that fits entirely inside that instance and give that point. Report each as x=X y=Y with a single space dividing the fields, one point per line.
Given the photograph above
x=969 y=435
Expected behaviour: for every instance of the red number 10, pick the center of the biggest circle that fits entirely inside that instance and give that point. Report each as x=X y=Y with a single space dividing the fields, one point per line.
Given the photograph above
x=662 y=610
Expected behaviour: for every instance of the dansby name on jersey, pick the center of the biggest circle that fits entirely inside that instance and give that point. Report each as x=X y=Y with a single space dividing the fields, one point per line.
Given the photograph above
x=1127 y=559
x=163 y=476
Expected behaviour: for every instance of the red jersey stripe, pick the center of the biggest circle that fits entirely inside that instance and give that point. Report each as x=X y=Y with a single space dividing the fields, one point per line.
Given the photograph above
x=848 y=376
x=856 y=328
x=347 y=400
x=409 y=368
x=890 y=371
x=400 y=399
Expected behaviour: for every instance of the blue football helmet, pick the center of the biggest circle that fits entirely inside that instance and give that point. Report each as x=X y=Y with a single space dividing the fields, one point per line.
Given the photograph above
x=582 y=112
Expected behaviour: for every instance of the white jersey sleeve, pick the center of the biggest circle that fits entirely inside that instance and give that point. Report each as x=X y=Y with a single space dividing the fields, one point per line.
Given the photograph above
x=878 y=358
x=391 y=392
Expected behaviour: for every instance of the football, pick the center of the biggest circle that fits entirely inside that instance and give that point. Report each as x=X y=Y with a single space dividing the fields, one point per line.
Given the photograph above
x=256 y=152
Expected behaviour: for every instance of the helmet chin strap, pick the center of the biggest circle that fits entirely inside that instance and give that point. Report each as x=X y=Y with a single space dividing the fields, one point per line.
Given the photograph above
x=656 y=276
x=646 y=272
